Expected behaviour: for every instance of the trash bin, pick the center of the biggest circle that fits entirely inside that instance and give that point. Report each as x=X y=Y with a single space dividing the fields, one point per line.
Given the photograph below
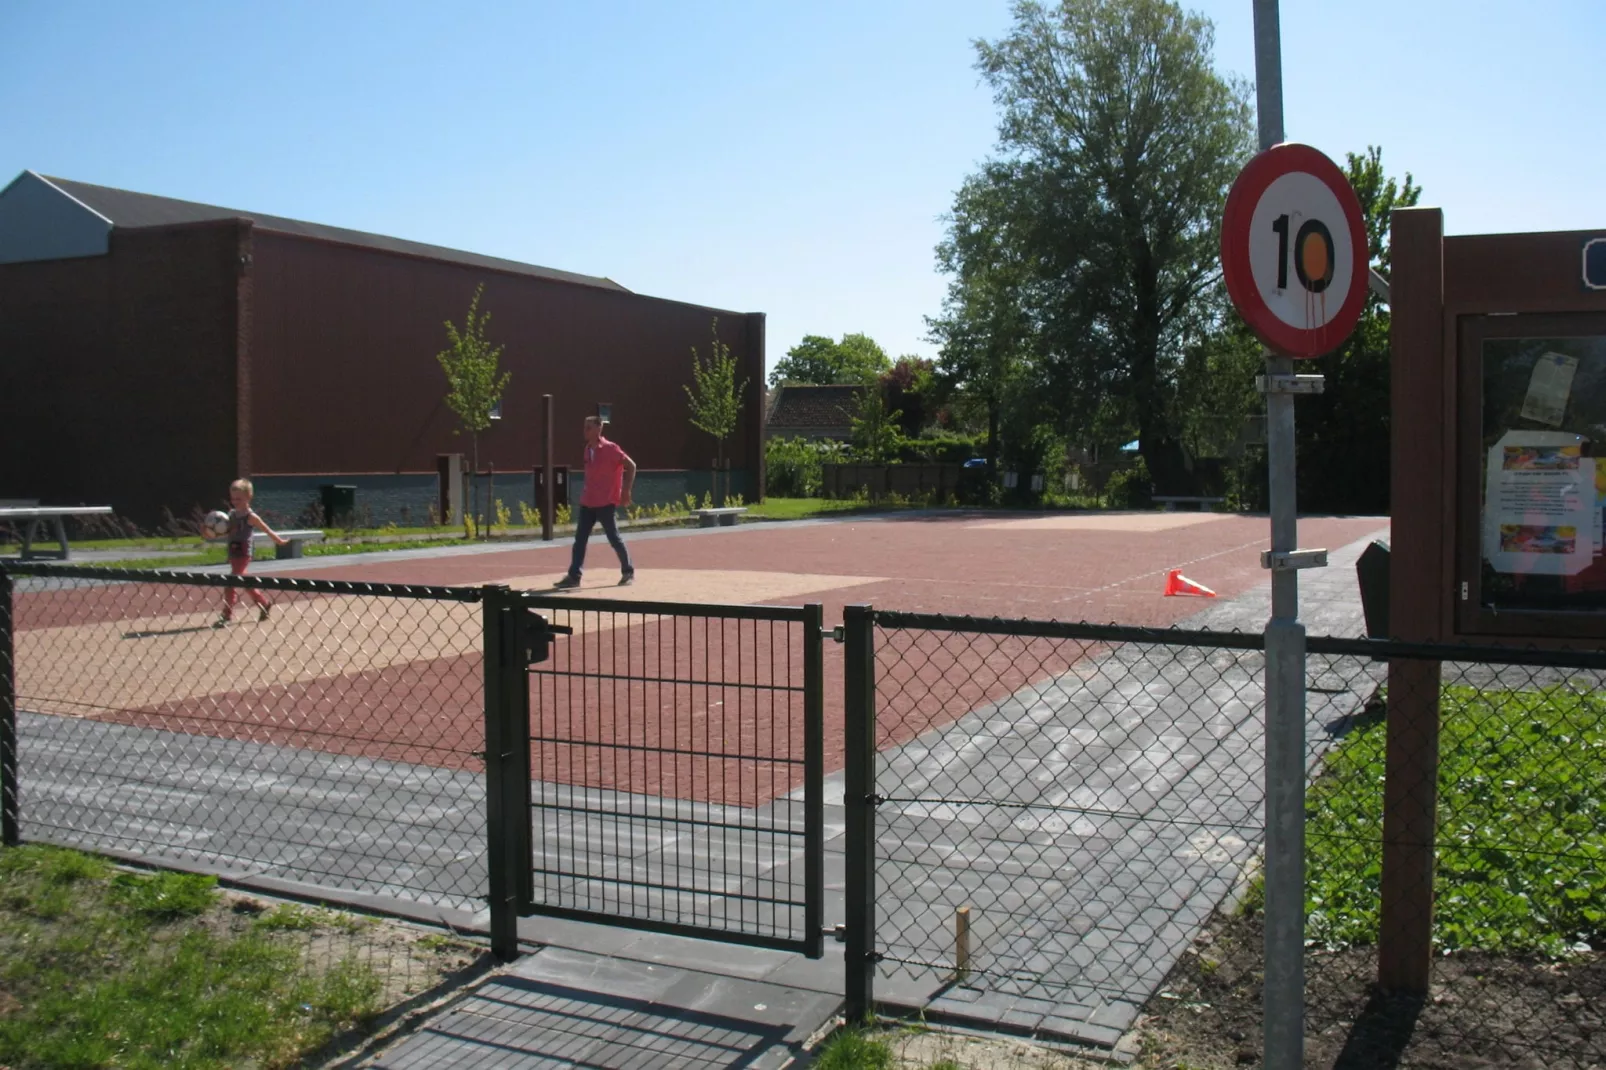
x=1372 y=572
x=339 y=503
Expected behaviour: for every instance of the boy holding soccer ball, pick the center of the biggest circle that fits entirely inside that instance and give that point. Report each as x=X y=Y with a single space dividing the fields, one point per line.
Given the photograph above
x=240 y=519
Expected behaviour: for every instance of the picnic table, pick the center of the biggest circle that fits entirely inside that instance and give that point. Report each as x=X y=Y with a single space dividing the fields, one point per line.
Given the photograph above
x=29 y=519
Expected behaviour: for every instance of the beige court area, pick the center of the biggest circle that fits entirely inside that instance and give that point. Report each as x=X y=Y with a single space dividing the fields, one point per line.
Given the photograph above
x=146 y=661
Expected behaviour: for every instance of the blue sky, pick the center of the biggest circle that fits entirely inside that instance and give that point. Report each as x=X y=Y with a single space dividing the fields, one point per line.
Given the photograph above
x=791 y=159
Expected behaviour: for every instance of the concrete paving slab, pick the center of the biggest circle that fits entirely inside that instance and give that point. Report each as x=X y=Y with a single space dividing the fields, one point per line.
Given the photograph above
x=563 y=1008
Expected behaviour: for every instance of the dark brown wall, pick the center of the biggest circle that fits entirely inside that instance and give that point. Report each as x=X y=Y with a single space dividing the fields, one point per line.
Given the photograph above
x=344 y=378
x=117 y=373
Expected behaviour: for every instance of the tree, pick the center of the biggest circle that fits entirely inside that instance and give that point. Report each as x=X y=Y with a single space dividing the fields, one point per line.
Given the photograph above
x=906 y=389
x=876 y=437
x=474 y=387
x=1088 y=250
x=985 y=333
x=716 y=403
x=818 y=361
x=1343 y=432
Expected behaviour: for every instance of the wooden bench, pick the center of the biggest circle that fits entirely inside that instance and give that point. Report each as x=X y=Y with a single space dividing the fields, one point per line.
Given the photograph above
x=725 y=517
x=1201 y=501
x=292 y=548
x=37 y=515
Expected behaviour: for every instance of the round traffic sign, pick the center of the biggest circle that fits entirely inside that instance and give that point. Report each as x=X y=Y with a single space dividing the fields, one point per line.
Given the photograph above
x=1293 y=251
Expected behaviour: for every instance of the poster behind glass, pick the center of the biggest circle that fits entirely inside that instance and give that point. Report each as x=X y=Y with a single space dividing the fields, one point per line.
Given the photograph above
x=1544 y=493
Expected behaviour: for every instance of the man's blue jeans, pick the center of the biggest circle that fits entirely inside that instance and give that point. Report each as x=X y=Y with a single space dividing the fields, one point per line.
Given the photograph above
x=589 y=518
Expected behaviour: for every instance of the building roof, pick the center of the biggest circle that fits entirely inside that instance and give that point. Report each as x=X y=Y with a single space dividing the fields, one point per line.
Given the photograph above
x=124 y=208
x=816 y=409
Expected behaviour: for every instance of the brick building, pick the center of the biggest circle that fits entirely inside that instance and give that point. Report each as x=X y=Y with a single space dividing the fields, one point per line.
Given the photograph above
x=152 y=349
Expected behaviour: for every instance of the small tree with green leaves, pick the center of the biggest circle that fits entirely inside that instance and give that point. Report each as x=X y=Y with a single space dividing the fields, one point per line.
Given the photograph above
x=474 y=381
x=715 y=398
x=876 y=432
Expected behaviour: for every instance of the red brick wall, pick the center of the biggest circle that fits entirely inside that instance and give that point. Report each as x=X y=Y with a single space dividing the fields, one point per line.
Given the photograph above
x=117 y=373
x=344 y=376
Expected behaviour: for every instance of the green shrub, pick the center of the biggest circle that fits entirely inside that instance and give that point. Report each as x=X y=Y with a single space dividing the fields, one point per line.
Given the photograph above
x=936 y=446
x=793 y=466
x=1130 y=488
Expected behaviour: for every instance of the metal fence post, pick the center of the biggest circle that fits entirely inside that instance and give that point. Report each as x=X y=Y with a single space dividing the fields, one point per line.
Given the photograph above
x=859 y=806
x=10 y=792
x=503 y=835
x=548 y=492
x=813 y=780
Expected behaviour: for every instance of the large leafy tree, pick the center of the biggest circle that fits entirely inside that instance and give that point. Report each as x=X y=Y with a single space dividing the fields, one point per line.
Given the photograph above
x=819 y=361
x=986 y=333
x=1118 y=141
x=1343 y=433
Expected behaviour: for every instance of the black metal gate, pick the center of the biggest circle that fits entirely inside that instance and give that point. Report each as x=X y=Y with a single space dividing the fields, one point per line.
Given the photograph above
x=657 y=766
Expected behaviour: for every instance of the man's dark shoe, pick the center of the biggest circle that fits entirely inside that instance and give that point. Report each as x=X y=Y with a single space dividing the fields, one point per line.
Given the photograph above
x=626 y=579
x=567 y=582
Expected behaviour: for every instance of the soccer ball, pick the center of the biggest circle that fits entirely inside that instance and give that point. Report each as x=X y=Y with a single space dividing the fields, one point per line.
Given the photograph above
x=216 y=522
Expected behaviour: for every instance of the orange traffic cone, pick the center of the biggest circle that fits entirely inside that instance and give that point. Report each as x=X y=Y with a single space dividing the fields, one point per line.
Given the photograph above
x=1176 y=583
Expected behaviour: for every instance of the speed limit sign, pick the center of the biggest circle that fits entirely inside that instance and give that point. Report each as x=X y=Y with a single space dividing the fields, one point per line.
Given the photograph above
x=1293 y=251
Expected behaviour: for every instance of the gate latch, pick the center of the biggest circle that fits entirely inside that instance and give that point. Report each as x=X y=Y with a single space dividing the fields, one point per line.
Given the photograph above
x=535 y=635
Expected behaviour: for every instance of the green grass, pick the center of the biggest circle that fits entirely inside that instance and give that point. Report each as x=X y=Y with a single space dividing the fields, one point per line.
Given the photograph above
x=803 y=508
x=1521 y=861
x=852 y=1049
x=100 y=968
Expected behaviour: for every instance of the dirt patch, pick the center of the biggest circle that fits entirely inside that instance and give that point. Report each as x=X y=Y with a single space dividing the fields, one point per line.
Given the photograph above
x=1482 y=1011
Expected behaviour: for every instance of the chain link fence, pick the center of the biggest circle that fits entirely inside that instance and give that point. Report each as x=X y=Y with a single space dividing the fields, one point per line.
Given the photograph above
x=1068 y=820
x=1050 y=828
x=1510 y=931
x=324 y=748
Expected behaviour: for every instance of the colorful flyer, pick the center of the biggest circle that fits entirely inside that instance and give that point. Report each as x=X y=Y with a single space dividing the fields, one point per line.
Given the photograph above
x=1541 y=512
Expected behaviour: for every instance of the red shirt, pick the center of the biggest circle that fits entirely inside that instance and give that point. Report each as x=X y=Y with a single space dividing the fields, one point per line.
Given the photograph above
x=605 y=474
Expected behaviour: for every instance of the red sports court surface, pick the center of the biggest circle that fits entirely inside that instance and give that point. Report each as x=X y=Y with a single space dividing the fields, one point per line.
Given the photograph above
x=400 y=680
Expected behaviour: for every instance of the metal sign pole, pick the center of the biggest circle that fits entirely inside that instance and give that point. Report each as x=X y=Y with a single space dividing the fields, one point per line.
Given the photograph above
x=1284 y=989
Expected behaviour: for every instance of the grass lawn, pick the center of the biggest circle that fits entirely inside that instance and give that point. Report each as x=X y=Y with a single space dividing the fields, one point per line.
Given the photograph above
x=803 y=508
x=105 y=968
x=1522 y=826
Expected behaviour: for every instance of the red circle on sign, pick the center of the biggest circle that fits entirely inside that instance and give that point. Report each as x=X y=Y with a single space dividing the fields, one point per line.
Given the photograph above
x=1251 y=184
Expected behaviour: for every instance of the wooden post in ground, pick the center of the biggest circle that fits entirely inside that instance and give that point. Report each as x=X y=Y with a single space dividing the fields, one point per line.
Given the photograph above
x=1420 y=573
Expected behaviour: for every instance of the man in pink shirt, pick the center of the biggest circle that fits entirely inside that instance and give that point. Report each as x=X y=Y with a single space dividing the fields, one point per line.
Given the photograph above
x=610 y=473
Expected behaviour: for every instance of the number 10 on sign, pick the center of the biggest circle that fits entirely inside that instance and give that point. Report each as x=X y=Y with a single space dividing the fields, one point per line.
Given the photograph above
x=1293 y=251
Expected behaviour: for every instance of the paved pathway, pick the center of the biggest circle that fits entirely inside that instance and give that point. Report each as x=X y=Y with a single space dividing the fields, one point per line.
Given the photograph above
x=1110 y=811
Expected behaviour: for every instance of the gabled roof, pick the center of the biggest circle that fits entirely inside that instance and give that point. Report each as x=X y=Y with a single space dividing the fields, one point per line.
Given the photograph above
x=816 y=408
x=125 y=208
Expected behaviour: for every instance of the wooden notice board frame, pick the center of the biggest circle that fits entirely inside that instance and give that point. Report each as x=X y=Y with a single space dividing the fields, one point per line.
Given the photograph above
x=1448 y=294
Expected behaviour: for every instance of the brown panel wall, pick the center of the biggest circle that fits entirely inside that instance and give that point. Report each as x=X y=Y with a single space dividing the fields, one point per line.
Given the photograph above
x=344 y=376
x=117 y=373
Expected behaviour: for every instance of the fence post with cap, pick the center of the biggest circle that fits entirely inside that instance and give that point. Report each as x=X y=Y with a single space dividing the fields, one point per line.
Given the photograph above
x=859 y=811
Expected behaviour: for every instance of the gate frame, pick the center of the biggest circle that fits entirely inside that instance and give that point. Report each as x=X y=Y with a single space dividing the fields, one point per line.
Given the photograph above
x=517 y=636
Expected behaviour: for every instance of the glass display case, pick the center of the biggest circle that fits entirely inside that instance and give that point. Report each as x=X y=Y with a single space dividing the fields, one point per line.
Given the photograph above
x=1532 y=495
